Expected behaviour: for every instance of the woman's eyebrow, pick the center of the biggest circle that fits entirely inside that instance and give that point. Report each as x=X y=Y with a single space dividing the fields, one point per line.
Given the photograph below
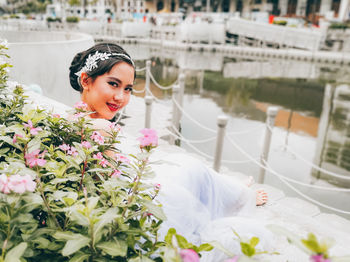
x=114 y=79
x=118 y=80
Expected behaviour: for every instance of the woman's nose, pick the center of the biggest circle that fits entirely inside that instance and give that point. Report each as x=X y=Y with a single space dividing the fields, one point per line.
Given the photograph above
x=119 y=95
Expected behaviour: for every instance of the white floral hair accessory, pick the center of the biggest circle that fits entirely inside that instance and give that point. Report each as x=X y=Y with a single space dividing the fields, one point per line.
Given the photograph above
x=91 y=61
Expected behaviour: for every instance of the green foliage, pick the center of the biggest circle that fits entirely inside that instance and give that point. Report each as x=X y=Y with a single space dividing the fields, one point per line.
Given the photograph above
x=72 y=19
x=174 y=239
x=338 y=25
x=315 y=246
x=78 y=210
x=74 y=2
x=280 y=22
x=53 y=19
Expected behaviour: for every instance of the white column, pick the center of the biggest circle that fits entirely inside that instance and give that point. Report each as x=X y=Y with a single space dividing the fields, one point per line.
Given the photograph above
x=301 y=8
x=326 y=6
x=343 y=10
x=283 y=6
x=233 y=4
x=246 y=9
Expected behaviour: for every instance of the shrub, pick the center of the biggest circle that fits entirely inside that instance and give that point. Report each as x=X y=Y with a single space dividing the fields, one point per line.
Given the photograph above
x=72 y=19
x=280 y=22
x=339 y=26
x=53 y=19
x=67 y=193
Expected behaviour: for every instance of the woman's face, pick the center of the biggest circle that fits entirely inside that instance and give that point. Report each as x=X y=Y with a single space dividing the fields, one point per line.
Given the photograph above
x=108 y=93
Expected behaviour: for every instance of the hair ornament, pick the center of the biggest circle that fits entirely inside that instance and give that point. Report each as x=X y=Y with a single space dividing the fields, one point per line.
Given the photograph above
x=91 y=61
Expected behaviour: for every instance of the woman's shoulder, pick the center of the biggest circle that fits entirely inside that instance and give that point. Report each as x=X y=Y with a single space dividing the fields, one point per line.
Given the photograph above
x=100 y=123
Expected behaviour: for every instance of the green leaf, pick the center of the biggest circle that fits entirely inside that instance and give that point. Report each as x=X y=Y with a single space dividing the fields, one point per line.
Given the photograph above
x=43 y=242
x=34 y=144
x=15 y=253
x=92 y=202
x=205 y=247
x=254 y=241
x=247 y=249
x=157 y=211
x=79 y=257
x=74 y=245
x=169 y=236
x=115 y=248
x=105 y=219
x=66 y=235
x=140 y=259
x=183 y=243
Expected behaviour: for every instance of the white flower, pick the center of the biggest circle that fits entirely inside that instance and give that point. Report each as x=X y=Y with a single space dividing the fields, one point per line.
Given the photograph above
x=4 y=43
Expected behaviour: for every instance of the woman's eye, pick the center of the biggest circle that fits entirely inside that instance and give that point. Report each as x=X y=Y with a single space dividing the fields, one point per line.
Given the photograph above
x=115 y=84
x=128 y=89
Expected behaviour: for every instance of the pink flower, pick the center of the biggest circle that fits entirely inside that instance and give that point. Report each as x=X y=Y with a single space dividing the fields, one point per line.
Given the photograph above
x=319 y=258
x=114 y=126
x=157 y=187
x=97 y=137
x=17 y=184
x=73 y=151
x=121 y=158
x=81 y=105
x=4 y=187
x=189 y=255
x=149 y=138
x=56 y=116
x=116 y=173
x=98 y=156
x=29 y=183
x=86 y=144
x=64 y=147
x=104 y=162
x=32 y=159
x=33 y=130
x=78 y=115
x=14 y=140
x=234 y=259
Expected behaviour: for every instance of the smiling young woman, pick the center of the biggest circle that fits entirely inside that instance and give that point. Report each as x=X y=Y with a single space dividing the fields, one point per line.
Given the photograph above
x=193 y=196
x=104 y=75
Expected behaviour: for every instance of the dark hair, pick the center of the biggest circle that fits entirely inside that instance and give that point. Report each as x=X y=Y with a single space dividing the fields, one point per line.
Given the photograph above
x=104 y=66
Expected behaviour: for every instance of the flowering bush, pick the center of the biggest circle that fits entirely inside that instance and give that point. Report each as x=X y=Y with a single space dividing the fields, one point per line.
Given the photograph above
x=64 y=198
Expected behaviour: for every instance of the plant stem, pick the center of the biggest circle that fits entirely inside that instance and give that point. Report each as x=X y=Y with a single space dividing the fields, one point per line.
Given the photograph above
x=83 y=173
x=135 y=187
x=46 y=203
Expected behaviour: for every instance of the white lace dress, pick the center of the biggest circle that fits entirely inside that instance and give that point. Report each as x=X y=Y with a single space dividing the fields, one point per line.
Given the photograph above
x=201 y=204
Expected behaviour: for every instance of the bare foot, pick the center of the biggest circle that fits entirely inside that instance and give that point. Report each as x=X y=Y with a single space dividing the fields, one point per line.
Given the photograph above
x=261 y=197
x=250 y=181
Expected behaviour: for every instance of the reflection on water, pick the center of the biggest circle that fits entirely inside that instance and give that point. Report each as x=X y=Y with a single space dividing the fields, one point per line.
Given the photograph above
x=333 y=146
x=313 y=120
x=243 y=89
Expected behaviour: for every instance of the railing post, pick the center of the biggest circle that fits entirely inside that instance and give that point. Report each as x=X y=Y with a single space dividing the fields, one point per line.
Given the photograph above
x=176 y=119
x=221 y=122
x=148 y=102
x=270 y=121
x=148 y=72
x=181 y=91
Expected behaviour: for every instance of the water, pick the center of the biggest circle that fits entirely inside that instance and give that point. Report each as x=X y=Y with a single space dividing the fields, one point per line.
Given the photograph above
x=312 y=121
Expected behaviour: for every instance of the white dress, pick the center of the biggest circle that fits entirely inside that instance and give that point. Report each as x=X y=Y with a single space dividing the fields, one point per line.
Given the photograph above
x=201 y=204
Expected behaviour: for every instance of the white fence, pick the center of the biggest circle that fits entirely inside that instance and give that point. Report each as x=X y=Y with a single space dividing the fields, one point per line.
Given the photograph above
x=283 y=35
x=198 y=32
x=202 y=32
